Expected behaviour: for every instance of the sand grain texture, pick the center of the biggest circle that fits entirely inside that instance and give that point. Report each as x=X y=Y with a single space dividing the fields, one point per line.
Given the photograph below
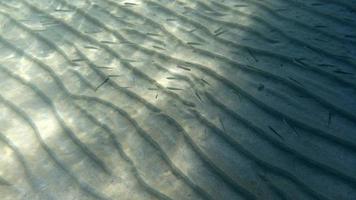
x=177 y=99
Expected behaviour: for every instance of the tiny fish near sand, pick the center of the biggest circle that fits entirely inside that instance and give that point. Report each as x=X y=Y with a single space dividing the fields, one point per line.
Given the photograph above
x=222 y=124
x=220 y=33
x=194 y=43
x=130 y=4
x=108 y=68
x=78 y=60
x=329 y=118
x=108 y=42
x=159 y=48
x=275 y=132
x=102 y=83
x=154 y=34
x=182 y=67
x=91 y=47
x=251 y=54
x=204 y=81
x=197 y=94
x=105 y=80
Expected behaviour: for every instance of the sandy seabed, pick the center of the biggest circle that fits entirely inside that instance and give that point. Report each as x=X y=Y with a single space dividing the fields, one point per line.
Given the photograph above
x=177 y=99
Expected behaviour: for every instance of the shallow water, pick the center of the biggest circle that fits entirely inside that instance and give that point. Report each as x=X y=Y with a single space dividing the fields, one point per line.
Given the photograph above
x=177 y=99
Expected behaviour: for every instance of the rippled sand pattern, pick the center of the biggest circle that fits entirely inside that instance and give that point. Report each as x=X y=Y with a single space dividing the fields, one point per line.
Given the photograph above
x=177 y=99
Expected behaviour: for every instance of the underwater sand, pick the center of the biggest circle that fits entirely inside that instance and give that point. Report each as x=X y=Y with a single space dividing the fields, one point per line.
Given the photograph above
x=177 y=99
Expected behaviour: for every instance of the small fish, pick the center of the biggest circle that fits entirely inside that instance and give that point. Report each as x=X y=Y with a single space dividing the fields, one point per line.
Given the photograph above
x=222 y=124
x=156 y=96
x=152 y=88
x=78 y=60
x=197 y=94
x=326 y=65
x=157 y=47
x=109 y=68
x=295 y=81
x=218 y=14
x=218 y=30
x=91 y=47
x=170 y=20
x=251 y=54
x=188 y=104
x=239 y=5
x=194 y=43
x=338 y=71
x=299 y=61
x=171 y=78
x=220 y=33
x=63 y=10
x=275 y=132
x=130 y=4
x=90 y=32
x=329 y=119
x=102 y=83
x=204 y=81
x=128 y=60
x=182 y=67
x=153 y=34
x=107 y=42
x=114 y=75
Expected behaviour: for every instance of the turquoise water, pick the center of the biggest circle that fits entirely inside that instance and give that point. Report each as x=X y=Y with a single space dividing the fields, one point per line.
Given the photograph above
x=177 y=99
